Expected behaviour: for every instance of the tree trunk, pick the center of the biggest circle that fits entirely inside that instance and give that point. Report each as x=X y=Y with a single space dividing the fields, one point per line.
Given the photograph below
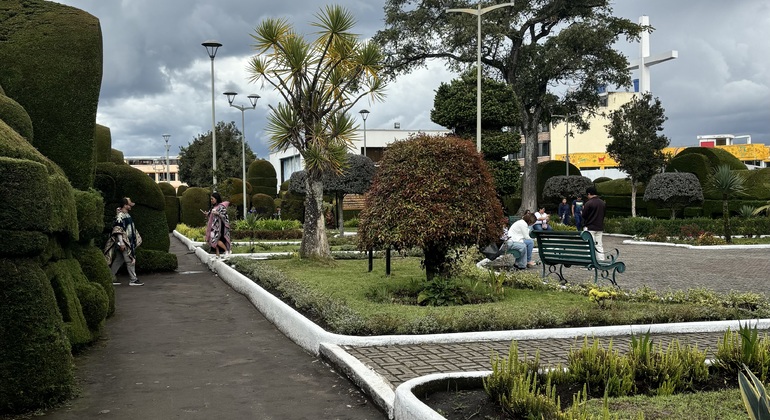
x=340 y=217
x=435 y=261
x=673 y=213
x=633 y=198
x=726 y=218
x=529 y=181
x=314 y=241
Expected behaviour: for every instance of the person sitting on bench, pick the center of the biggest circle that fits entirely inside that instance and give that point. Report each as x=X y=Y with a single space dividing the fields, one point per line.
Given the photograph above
x=518 y=238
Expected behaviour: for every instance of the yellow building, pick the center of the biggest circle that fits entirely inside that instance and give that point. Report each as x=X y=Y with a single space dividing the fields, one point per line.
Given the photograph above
x=587 y=150
x=155 y=168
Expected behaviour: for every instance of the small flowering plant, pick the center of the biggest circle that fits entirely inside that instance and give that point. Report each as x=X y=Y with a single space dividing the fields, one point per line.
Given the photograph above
x=601 y=297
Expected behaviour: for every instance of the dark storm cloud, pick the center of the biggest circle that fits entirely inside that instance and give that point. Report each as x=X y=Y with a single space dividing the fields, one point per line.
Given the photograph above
x=157 y=75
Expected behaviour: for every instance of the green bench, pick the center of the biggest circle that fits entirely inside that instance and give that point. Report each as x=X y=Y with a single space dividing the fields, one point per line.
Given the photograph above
x=565 y=249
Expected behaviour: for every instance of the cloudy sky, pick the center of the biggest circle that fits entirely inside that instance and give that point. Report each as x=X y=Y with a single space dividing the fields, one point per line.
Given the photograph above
x=157 y=76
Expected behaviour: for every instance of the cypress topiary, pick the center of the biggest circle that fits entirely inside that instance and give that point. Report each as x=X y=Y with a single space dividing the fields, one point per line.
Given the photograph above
x=262 y=177
x=16 y=117
x=167 y=189
x=93 y=300
x=674 y=190
x=191 y=203
x=37 y=33
x=551 y=168
x=36 y=366
x=103 y=143
x=263 y=204
x=172 y=212
x=149 y=260
x=569 y=187
x=96 y=270
x=180 y=190
x=90 y=214
x=116 y=157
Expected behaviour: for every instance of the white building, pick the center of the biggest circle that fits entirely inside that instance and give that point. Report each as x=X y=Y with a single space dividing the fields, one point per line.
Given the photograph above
x=377 y=140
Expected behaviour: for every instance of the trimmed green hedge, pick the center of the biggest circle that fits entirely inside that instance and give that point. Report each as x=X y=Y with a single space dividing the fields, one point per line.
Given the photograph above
x=63 y=275
x=180 y=190
x=36 y=34
x=262 y=177
x=13 y=145
x=548 y=169
x=94 y=302
x=96 y=270
x=64 y=211
x=103 y=143
x=192 y=202
x=116 y=157
x=151 y=261
x=643 y=226
x=90 y=211
x=22 y=243
x=25 y=196
x=167 y=189
x=36 y=365
x=16 y=117
x=172 y=212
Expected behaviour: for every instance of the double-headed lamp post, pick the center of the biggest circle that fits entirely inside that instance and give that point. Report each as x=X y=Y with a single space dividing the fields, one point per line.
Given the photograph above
x=478 y=12
x=211 y=48
x=566 y=137
x=364 y=115
x=168 y=170
x=253 y=100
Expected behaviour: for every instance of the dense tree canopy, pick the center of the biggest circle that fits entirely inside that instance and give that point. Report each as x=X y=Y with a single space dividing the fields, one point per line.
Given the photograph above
x=674 y=190
x=636 y=144
x=318 y=82
x=455 y=106
x=534 y=46
x=195 y=160
x=433 y=193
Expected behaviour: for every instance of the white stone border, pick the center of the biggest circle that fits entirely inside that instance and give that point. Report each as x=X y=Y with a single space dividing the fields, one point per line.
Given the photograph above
x=408 y=407
x=318 y=341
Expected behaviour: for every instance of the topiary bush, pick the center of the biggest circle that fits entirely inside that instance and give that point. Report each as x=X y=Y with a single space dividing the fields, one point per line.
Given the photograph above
x=63 y=275
x=151 y=261
x=36 y=365
x=103 y=143
x=191 y=203
x=172 y=212
x=116 y=157
x=93 y=299
x=674 y=190
x=262 y=177
x=90 y=213
x=263 y=204
x=167 y=189
x=292 y=204
x=561 y=186
x=550 y=168
x=602 y=179
x=96 y=270
x=16 y=117
x=36 y=34
x=180 y=190
x=433 y=193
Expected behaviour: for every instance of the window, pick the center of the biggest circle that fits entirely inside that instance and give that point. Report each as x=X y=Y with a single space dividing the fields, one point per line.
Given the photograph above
x=544 y=148
x=152 y=176
x=290 y=165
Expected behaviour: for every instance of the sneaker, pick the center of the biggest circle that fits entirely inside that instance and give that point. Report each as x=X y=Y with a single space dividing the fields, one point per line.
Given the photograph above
x=116 y=283
x=135 y=283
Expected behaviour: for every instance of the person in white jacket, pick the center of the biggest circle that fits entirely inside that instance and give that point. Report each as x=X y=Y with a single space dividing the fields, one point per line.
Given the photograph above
x=518 y=238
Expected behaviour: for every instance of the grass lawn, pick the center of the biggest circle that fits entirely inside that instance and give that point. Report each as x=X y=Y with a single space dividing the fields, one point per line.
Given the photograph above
x=346 y=299
x=712 y=405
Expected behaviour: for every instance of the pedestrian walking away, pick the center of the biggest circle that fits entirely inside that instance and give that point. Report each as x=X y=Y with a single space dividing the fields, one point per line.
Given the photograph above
x=121 y=245
x=564 y=211
x=593 y=219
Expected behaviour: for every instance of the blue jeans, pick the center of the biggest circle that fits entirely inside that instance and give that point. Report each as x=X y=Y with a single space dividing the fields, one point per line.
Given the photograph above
x=538 y=226
x=530 y=244
x=521 y=262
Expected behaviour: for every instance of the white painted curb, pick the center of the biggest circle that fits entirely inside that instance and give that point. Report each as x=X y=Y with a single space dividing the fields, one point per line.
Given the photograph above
x=408 y=407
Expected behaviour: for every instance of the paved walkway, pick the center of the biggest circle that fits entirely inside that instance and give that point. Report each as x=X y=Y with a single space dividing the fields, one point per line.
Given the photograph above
x=185 y=345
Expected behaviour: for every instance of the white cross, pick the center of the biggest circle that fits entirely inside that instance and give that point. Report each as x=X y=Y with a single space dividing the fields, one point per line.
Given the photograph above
x=645 y=61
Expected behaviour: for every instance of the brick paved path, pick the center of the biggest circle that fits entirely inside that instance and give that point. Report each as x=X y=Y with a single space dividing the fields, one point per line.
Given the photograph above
x=666 y=268
x=661 y=268
x=398 y=364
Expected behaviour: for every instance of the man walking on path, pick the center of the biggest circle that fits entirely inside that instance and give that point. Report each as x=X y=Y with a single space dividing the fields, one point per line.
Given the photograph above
x=122 y=244
x=593 y=219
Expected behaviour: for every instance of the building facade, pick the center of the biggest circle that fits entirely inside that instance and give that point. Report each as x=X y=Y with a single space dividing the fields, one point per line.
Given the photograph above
x=155 y=168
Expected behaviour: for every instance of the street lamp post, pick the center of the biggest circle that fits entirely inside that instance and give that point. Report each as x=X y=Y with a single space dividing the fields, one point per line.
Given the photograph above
x=168 y=170
x=253 y=100
x=211 y=48
x=364 y=114
x=478 y=12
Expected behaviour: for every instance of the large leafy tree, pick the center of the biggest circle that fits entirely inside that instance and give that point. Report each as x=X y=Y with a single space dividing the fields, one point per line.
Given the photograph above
x=433 y=193
x=636 y=144
x=534 y=46
x=319 y=82
x=195 y=159
x=455 y=106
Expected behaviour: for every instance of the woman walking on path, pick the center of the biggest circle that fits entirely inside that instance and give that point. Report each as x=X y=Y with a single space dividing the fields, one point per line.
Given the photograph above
x=218 y=227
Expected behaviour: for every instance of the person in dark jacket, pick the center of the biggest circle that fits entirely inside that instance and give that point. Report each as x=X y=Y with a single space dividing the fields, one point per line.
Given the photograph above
x=564 y=211
x=593 y=219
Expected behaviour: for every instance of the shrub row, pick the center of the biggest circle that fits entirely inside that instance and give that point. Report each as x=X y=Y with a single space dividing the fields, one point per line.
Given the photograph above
x=643 y=226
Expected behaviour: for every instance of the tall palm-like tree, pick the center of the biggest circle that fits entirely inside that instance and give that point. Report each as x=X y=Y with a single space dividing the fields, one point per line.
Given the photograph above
x=319 y=82
x=728 y=184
